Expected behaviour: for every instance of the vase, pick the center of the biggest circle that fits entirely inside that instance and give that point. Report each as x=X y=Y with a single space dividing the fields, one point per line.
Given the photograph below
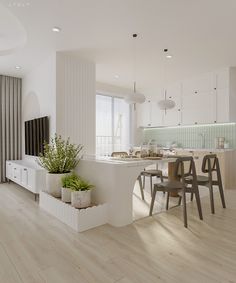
x=65 y=195
x=81 y=199
x=54 y=184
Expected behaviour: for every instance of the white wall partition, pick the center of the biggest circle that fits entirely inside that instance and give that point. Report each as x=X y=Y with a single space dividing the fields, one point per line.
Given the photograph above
x=75 y=103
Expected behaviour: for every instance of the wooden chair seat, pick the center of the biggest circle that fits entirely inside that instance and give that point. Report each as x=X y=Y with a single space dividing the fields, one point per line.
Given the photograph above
x=152 y=173
x=202 y=180
x=169 y=186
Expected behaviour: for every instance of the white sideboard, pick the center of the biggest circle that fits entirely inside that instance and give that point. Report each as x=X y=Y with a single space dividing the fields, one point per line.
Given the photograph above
x=26 y=174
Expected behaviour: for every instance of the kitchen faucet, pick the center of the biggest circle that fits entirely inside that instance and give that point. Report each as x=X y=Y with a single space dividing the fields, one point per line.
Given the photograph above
x=203 y=139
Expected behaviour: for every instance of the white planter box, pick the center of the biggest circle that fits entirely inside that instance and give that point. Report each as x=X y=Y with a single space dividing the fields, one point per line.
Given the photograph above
x=78 y=219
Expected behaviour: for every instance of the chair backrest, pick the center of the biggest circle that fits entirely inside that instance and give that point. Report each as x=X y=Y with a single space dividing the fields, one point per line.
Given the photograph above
x=210 y=163
x=119 y=154
x=185 y=167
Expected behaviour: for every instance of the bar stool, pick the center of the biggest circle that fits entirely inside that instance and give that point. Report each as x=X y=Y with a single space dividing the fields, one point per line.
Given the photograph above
x=210 y=164
x=185 y=167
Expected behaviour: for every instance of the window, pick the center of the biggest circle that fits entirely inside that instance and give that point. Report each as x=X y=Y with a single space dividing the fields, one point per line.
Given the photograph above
x=112 y=125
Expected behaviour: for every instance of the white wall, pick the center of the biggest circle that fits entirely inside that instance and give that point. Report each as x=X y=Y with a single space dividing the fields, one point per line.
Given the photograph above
x=39 y=95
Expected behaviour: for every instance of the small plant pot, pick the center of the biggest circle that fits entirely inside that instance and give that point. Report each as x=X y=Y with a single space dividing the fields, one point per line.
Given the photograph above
x=53 y=184
x=65 y=195
x=81 y=199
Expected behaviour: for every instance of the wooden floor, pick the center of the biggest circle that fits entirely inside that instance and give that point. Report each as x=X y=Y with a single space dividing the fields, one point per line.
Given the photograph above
x=35 y=247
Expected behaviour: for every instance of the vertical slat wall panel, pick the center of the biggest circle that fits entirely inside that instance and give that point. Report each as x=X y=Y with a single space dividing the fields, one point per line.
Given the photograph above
x=76 y=95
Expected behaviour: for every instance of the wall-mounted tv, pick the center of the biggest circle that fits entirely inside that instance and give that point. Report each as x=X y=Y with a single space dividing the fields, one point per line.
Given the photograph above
x=36 y=134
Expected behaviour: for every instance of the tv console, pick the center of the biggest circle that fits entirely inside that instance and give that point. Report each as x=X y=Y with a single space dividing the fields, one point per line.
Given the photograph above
x=26 y=174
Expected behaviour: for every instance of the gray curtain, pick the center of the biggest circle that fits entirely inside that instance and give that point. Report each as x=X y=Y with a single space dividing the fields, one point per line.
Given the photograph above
x=10 y=121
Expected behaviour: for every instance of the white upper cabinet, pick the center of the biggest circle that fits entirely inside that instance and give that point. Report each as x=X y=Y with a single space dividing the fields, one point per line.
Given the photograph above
x=144 y=114
x=199 y=108
x=148 y=114
x=203 y=84
x=208 y=98
x=172 y=117
x=226 y=94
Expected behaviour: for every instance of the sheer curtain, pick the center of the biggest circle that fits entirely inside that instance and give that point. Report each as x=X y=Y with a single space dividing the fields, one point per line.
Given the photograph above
x=112 y=125
x=10 y=121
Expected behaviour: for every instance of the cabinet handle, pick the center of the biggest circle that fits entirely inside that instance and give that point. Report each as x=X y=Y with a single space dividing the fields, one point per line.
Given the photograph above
x=215 y=122
x=195 y=123
x=214 y=88
x=149 y=124
x=179 y=124
x=25 y=169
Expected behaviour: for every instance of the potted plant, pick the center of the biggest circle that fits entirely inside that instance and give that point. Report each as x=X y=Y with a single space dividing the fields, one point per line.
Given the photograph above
x=81 y=193
x=66 y=187
x=59 y=158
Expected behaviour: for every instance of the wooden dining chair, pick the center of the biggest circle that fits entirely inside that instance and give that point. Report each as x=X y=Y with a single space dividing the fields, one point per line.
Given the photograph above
x=184 y=167
x=125 y=154
x=210 y=164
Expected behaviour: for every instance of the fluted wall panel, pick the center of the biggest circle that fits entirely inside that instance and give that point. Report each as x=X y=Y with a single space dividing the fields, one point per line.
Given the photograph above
x=75 y=101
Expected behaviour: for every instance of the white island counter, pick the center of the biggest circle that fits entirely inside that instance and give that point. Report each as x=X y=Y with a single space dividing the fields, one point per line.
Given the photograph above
x=114 y=182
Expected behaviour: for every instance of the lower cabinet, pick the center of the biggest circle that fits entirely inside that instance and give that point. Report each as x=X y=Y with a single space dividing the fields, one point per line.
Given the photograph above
x=27 y=175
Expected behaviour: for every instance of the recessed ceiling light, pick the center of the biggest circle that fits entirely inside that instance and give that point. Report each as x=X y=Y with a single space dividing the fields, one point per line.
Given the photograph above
x=168 y=56
x=116 y=77
x=18 y=67
x=56 y=29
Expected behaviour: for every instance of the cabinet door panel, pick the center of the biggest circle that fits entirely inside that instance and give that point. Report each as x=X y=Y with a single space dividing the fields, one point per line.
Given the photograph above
x=156 y=115
x=199 y=109
x=173 y=92
x=144 y=114
x=9 y=169
x=172 y=117
x=222 y=105
x=203 y=84
x=24 y=176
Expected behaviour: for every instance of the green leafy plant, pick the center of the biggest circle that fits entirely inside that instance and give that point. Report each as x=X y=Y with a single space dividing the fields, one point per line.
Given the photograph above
x=60 y=156
x=75 y=183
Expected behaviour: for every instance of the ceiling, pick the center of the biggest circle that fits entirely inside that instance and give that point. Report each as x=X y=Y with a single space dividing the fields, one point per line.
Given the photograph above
x=199 y=34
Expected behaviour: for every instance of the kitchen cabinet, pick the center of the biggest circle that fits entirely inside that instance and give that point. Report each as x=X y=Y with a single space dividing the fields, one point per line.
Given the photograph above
x=172 y=117
x=149 y=115
x=199 y=108
x=206 y=99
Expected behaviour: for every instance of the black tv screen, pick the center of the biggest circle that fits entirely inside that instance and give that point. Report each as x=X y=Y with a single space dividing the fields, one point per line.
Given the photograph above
x=36 y=134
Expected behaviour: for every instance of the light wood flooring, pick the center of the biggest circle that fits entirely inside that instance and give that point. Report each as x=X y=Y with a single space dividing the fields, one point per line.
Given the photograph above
x=36 y=248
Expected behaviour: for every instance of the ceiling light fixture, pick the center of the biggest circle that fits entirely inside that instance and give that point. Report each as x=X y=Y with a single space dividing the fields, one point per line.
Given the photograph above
x=116 y=77
x=17 y=67
x=135 y=97
x=168 y=56
x=56 y=29
x=19 y=4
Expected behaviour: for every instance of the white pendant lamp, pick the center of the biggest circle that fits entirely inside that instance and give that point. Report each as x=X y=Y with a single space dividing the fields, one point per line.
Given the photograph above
x=166 y=104
x=135 y=97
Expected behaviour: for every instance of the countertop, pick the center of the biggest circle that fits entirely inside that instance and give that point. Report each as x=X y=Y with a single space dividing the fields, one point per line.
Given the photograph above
x=205 y=149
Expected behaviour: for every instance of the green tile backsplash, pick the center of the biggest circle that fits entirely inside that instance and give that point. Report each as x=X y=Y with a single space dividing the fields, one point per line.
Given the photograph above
x=189 y=136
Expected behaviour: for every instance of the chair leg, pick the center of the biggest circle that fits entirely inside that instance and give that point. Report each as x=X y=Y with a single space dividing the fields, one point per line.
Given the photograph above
x=162 y=180
x=222 y=195
x=141 y=186
x=152 y=202
x=192 y=196
x=151 y=184
x=143 y=182
x=180 y=200
x=212 y=199
x=198 y=201
x=185 y=210
x=167 y=201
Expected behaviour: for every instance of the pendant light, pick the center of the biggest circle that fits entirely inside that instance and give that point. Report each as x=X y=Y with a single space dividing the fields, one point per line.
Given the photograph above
x=135 y=97
x=166 y=104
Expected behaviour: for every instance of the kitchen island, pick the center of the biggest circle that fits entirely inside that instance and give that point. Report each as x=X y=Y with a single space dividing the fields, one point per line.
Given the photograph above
x=114 y=182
